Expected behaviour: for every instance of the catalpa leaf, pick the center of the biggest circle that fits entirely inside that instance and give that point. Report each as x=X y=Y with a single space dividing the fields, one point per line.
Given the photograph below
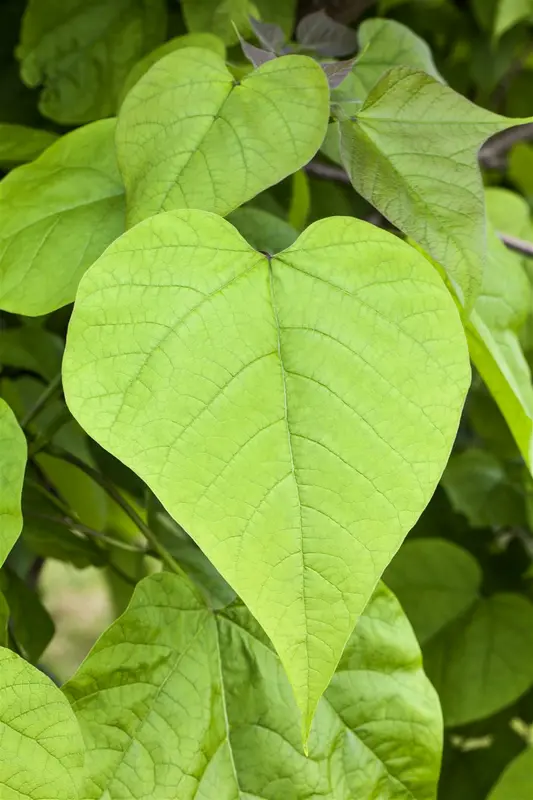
x=200 y=40
x=58 y=214
x=263 y=230
x=204 y=708
x=12 y=467
x=222 y=16
x=477 y=650
x=383 y=44
x=312 y=437
x=82 y=51
x=517 y=779
x=40 y=739
x=19 y=144
x=189 y=135
x=31 y=625
x=411 y=151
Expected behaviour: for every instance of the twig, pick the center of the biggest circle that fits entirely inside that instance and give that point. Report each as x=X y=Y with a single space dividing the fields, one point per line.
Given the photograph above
x=327 y=172
x=517 y=245
x=42 y=400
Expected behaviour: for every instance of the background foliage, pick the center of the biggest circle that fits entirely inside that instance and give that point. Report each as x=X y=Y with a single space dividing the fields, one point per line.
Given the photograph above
x=184 y=694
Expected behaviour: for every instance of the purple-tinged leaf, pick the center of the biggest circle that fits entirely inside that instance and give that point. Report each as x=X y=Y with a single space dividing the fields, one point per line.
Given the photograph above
x=269 y=34
x=337 y=71
x=325 y=36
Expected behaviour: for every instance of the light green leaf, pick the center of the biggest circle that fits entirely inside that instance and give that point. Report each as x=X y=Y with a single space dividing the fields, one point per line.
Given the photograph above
x=214 y=142
x=203 y=40
x=204 y=709
x=479 y=487
x=217 y=16
x=40 y=740
x=60 y=211
x=263 y=230
x=516 y=783
x=509 y=12
x=477 y=650
x=492 y=333
x=383 y=44
x=31 y=624
x=508 y=212
x=299 y=456
x=12 y=467
x=520 y=163
x=400 y=155
x=19 y=144
x=82 y=51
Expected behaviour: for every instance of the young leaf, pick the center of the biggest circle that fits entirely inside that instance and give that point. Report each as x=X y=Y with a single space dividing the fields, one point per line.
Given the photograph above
x=477 y=651
x=269 y=34
x=411 y=151
x=205 y=710
x=517 y=780
x=40 y=740
x=310 y=441
x=12 y=467
x=325 y=36
x=202 y=40
x=19 y=144
x=58 y=215
x=256 y=55
x=212 y=142
x=82 y=51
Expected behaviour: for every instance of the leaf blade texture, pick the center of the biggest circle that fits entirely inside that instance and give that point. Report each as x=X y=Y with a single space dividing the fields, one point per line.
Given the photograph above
x=207 y=712
x=189 y=135
x=288 y=443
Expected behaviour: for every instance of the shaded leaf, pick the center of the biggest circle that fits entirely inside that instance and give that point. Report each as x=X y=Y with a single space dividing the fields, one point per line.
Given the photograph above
x=64 y=208
x=30 y=623
x=40 y=740
x=82 y=51
x=19 y=144
x=217 y=16
x=509 y=12
x=303 y=473
x=33 y=349
x=477 y=650
x=400 y=157
x=215 y=142
x=337 y=71
x=205 y=710
x=12 y=466
x=256 y=55
x=269 y=34
x=263 y=230
x=325 y=36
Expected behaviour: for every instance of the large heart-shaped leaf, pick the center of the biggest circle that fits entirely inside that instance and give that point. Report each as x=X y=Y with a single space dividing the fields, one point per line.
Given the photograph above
x=190 y=136
x=294 y=414
x=411 y=151
x=477 y=650
x=58 y=214
x=12 y=467
x=40 y=740
x=205 y=710
x=82 y=51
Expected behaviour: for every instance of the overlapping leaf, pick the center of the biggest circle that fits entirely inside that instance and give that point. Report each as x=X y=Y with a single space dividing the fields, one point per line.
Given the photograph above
x=517 y=780
x=221 y=16
x=19 y=144
x=82 y=51
x=411 y=151
x=204 y=708
x=12 y=466
x=40 y=740
x=293 y=414
x=58 y=215
x=189 y=135
x=477 y=650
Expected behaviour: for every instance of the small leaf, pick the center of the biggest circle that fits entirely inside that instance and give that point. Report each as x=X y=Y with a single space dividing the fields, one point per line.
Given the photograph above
x=19 y=144
x=516 y=783
x=12 y=467
x=64 y=208
x=40 y=740
x=215 y=143
x=269 y=34
x=509 y=13
x=199 y=40
x=305 y=482
x=424 y=181
x=204 y=708
x=325 y=36
x=255 y=55
x=477 y=650
x=337 y=71
x=82 y=51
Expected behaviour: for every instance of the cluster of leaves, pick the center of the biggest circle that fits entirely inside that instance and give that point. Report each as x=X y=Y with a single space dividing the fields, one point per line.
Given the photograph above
x=247 y=257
